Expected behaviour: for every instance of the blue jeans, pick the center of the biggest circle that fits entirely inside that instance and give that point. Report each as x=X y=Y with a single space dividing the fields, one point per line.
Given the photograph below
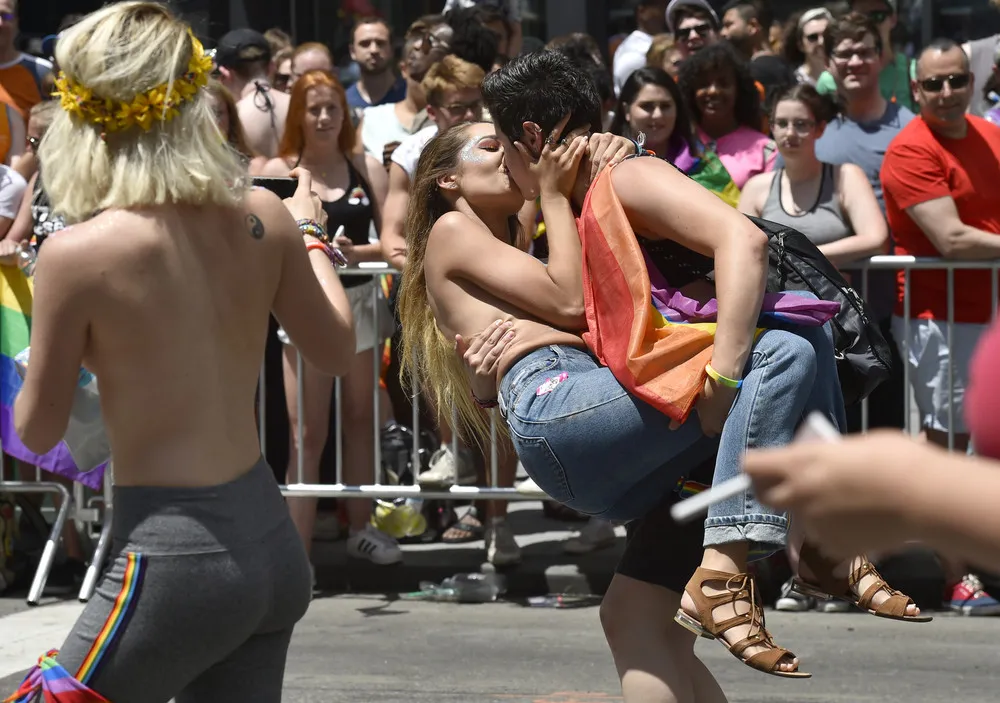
x=592 y=446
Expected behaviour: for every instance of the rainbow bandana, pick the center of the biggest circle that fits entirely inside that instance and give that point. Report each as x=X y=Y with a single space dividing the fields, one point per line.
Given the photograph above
x=55 y=685
x=655 y=340
x=16 y=291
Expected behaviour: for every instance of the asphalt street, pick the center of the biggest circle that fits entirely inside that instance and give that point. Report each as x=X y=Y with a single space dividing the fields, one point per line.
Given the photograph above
x=374 y=648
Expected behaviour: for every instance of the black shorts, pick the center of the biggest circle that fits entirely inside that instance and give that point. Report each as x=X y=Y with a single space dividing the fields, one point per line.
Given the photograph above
x=663 y=552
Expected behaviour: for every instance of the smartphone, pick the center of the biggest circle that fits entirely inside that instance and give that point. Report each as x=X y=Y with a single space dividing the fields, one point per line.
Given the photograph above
x=282 y=187
x=816 y=428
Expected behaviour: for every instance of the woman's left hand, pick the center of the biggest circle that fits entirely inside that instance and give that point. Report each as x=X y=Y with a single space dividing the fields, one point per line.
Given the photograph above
x=481 y=356
x=713 y=406
x=846 y=495
x=346 y=247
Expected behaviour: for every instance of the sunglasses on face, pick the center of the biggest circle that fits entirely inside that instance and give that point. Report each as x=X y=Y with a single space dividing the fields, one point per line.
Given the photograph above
x=865 y=54
x=33 y=142
x=702 y=30
x=879 y=16
x=8 y=16
x=281 y=80
x=957 y=81
x=813 y=38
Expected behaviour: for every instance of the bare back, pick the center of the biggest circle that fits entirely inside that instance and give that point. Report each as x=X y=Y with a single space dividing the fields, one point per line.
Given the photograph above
x=263 y=115
x=462 y=307
x=169 y=307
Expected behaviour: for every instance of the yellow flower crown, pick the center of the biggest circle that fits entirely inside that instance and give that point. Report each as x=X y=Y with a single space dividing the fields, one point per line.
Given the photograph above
x=155 y=105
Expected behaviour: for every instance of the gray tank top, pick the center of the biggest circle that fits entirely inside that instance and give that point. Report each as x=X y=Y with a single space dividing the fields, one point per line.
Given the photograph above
x=823 y=223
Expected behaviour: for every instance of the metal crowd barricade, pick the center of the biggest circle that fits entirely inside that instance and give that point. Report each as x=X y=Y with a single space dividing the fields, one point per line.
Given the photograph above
x=79 y=507
x=907 y=264
x=378 y=489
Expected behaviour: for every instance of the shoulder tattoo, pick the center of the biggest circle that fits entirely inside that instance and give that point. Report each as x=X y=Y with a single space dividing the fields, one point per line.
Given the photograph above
x=256 y=227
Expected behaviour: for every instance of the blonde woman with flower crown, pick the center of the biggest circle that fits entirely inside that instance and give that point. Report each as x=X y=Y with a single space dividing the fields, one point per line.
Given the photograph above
x=162 y=288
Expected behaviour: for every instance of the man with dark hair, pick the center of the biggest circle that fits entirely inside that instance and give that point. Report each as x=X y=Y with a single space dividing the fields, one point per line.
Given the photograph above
x=693 y=23
x=940 y=176
x=650 y=20
x=244 y=60
x=371 y=49
x=471 y=39
x=528 y=98
x=895 y=69
x=746 y=24
x=509 y=10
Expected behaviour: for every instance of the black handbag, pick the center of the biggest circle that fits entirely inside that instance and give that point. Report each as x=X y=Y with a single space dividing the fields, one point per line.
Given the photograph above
x=863 y=355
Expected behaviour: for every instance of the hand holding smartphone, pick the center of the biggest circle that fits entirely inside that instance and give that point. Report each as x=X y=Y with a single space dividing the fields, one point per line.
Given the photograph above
x=815 y=428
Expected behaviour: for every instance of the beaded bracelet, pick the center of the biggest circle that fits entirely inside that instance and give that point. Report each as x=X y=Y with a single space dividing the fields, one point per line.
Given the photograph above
x=722 y=380
x=336 y=256
x=314 y=229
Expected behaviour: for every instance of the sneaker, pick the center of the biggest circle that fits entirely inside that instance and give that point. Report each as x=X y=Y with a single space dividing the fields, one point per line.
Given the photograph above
x=501 y=547
x=528 y=485
x=445 y=469
x=375 y=546
x=596 y=534
x=968 y=597
x=327 y=528
x=791 y=601
x=833 y=605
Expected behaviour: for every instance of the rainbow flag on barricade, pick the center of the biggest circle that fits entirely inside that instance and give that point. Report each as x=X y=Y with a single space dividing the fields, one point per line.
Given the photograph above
x=655 y=340
x=55 y=685
x=15 y=328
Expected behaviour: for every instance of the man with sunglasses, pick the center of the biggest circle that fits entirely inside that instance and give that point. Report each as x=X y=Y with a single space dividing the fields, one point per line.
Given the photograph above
x=896 y=68
x=693 y=23
x=940 y=177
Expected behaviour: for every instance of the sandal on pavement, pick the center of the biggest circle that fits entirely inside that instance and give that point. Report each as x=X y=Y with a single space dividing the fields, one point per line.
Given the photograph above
x=739 y=587
x=468 y=527
x=826 y=585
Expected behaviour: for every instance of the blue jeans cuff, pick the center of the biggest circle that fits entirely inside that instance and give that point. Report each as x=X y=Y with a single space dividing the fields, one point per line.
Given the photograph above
x=766 y=533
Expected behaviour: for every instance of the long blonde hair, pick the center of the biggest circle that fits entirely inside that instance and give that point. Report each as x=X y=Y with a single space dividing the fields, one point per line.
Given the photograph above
x=428 y=359
x=118 y=53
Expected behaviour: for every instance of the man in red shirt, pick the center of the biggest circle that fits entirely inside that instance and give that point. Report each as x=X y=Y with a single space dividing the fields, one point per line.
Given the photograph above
x=940 y=176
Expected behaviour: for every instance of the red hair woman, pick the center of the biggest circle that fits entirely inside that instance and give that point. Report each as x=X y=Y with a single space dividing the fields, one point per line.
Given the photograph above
x=319 y=136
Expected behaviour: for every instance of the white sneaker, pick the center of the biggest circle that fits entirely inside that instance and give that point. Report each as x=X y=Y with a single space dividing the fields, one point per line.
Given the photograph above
x=501 y=547
x=596 y=534
x=833 y=605
x=528 y=486
x=327 y=527
x=377 y=547
x=446 y=469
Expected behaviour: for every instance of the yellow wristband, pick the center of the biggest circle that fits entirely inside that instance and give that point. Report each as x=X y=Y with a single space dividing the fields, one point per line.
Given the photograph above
x=722 y=380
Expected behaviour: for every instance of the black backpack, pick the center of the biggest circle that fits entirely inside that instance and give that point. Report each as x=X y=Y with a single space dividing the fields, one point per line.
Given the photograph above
x=863 y=355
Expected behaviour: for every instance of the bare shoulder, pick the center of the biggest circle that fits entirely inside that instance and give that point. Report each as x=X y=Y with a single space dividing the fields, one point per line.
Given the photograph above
x=456 y=233
x=368 y=162
x=73 y=255
x=634 y=177
x=850 y=173
x=265 y=213
x=757 y=185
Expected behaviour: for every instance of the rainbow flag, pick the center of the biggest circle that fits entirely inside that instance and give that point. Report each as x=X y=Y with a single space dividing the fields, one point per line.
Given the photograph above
x=655 y=340
x=54 y=684
x=15 y=329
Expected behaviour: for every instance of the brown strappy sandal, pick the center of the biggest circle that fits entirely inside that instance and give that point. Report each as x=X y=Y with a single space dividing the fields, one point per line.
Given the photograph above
x=739 y=587
x=828 y=585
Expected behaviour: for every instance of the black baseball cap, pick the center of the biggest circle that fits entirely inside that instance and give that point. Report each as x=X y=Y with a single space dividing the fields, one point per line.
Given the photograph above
x=242 y=46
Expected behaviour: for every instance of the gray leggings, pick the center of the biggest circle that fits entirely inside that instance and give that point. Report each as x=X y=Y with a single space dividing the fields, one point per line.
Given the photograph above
x=200 y=601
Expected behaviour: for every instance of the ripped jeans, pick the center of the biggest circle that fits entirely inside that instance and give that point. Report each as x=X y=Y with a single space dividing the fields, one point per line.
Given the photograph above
x=592 y=446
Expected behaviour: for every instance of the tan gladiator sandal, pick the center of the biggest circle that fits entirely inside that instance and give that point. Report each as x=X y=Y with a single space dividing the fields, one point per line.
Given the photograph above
x=740 y=587
x=827 y=585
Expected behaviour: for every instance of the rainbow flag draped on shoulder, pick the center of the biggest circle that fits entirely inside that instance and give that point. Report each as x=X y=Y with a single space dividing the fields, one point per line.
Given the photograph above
x=50 y=683
x=15 y=328
x=655 y=340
